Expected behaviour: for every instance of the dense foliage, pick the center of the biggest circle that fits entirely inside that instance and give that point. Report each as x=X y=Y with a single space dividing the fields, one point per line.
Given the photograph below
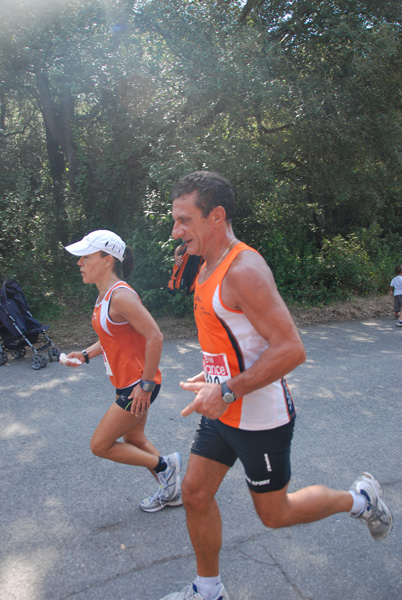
x=104 y=104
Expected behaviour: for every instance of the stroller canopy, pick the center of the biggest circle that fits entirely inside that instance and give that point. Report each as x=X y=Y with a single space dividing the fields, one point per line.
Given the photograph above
x=15 y=315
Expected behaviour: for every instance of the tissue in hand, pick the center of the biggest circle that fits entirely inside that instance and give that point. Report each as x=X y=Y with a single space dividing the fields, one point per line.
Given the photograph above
x=69 y=361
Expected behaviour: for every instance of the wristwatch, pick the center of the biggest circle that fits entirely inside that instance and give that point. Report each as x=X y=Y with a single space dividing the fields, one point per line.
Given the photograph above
x=227 y=394
x=147 y=386
x=85 y=355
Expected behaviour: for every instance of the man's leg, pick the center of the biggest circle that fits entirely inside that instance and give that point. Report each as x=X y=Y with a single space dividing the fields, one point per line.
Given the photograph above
x=280 y=509
x=200 y=484
x=363 y=501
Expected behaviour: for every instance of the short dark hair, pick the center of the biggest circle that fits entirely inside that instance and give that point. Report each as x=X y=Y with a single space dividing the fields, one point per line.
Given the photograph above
x=212 y=190
x=398 y=269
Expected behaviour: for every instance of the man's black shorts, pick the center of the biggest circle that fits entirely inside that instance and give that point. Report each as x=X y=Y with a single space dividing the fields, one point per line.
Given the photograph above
x=265 y=455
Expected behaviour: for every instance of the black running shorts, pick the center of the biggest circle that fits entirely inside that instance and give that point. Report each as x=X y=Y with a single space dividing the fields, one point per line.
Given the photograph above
x=123 y=394
x=265 y=455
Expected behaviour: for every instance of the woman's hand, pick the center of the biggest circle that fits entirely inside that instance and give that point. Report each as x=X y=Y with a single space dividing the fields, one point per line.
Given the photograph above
x=140 y=401
x=73 y=359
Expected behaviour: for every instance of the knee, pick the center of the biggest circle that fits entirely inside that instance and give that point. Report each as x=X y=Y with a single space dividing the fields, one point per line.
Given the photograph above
x=98 y=448
x=273 y=518
x=194 y=497
x=187 y=494
x=272 y=521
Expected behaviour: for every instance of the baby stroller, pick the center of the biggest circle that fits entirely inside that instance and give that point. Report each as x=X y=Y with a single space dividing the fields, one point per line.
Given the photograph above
x=19 y=329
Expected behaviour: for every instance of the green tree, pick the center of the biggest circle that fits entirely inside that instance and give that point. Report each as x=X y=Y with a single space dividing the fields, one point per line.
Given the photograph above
x=103 y=106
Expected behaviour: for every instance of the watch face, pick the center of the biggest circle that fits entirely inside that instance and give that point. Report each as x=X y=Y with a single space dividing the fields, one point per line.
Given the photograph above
x=229 y=398
x=147 y=386
x=227 y=394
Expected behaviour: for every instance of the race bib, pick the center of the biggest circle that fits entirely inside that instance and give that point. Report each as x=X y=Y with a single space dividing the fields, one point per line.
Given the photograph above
x=215 y=367
x=107 y=365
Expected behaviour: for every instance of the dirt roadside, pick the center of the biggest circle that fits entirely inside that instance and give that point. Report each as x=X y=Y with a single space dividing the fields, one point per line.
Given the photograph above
x=72 y=331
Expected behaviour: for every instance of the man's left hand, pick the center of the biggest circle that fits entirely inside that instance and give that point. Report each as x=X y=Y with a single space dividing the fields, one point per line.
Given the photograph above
x=208 y=400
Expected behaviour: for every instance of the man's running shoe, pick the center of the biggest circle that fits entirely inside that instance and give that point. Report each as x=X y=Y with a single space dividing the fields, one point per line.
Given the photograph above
x=157 y=502
x=376 y=514
x=398 y=323
x=169 y=479
x=191 y=592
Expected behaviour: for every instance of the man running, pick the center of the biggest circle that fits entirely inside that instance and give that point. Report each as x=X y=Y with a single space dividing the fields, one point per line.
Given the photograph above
x=249 y=343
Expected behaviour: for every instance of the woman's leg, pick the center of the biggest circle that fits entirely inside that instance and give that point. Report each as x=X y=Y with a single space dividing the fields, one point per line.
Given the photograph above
x=136 y=437
x=119 y=423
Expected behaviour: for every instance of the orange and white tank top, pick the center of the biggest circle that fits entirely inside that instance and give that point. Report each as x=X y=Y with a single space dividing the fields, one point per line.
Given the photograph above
x=230 y=344
x=123 y=347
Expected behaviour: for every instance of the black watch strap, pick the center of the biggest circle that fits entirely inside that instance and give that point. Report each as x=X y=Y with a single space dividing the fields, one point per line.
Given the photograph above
x=85 y=355
x=147 y=386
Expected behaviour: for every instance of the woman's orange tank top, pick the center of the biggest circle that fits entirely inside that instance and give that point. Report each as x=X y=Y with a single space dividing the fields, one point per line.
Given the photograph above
x=123 y=347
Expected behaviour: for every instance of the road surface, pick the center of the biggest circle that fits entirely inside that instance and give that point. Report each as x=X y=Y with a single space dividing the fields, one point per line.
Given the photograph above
x=70 y=525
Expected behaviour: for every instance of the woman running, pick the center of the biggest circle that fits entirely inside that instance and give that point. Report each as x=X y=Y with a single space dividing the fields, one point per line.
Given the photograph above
x=131 y=344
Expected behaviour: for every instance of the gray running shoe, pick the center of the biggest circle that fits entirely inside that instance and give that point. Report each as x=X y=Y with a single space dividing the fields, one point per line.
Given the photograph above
x=191 y=592
x=169 y=479
x=398 y=323
x=157 y=502
x=376 y=514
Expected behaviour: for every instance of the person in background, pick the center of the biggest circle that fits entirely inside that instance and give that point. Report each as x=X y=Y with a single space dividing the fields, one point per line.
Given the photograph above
x=131 y=344
x=395 y=289
x=177 y=255
x=249 y=343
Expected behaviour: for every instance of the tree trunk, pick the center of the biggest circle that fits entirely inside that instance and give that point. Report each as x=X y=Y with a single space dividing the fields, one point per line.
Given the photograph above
x=59 y=143
x=59 y=122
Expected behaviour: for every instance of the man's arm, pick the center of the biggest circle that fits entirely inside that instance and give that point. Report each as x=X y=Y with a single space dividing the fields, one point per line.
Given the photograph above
x=178 y=259
x=249 y=286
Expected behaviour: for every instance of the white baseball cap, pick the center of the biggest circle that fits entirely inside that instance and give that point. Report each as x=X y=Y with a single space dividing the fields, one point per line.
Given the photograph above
x=101 y=239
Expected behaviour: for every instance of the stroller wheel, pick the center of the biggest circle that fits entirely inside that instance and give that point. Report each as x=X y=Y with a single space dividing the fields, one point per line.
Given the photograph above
x=36 y=362
x=43 y=361
x=50 y=354
x=17 y=353
x=3 y=357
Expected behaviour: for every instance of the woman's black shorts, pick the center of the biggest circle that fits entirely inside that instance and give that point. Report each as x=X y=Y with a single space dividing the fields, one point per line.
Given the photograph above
x=123 y=394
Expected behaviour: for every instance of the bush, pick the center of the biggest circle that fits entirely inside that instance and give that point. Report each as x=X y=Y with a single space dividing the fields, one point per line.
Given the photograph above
x=360 y=264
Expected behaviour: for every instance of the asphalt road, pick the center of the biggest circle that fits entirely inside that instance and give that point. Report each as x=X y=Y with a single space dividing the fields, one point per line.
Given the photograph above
x=70 y=525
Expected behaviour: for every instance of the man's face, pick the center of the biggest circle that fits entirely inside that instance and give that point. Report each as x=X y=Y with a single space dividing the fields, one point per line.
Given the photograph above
x=189 y=224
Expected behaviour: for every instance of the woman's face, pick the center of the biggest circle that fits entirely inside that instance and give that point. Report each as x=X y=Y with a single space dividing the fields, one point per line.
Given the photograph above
x=93 y=267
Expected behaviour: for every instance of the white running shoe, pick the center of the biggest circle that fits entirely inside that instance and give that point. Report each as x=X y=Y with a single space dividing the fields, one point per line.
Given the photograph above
x=376 y=515
x=169 y=479
x=191 y=592
x=157 y=501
